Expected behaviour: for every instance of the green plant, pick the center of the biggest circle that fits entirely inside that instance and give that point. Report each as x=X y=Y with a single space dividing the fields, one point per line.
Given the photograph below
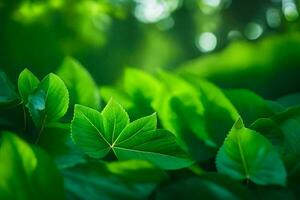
x=186 y=139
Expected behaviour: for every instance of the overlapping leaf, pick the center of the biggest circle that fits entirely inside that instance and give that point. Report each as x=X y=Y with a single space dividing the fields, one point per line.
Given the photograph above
x=283 y=128
x=97 y=133
x=27 y=172
x=246 y=154
x=49 y=101
x=27 y=83
x=96 y=180
x=82 y=88
x=249 y=105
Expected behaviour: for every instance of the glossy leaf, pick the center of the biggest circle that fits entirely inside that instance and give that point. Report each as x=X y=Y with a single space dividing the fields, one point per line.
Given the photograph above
x=246 y=154
x=49 y=101
x=137 y=140
x=27 y=83
x=191 y=108
x=82 y=88
x=115 y=119
x=217 y=110
x=143 y=89
x=88 y=133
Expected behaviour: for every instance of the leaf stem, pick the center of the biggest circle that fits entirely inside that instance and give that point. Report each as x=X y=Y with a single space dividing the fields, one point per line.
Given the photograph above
x=41 y=131
x=24 y=118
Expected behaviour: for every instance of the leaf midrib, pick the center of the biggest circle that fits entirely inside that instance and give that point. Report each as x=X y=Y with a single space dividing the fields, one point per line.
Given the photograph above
x=114 y=126
x=129 y=138
x=96 y=129
x=243 y=156
x=147 y=152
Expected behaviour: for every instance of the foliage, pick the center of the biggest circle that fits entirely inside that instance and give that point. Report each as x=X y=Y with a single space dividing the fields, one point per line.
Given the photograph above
x=187 y=138
x=149 y=99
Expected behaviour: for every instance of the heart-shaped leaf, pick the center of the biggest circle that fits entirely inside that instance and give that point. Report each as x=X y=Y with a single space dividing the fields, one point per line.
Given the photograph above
x=97 y=133
x=49 y=101
x=246 y=154
x=27 y=82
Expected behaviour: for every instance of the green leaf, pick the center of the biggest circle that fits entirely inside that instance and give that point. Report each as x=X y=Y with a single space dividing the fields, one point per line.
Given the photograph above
x=115 y=119
x=144 y=124
x=292 y=164
x=108 y=92
x=246 y=154
x=211 y=186
x=283 y=129
x=180 y=111
x=88 y=133
x=149 y=89
x=158 y=147
x=190 y=128
x=55 y=140
x=27 y=82
x=217 y=110
x=275 y=107
x=8 y=96
x=96 y=180
x=191 y=109
x=49 y=101
x=249 y=105
x=97 y=133
x=290 y=100
x=137 y=171
x=177 y=88
x=28 y=173
x=285 y=135
x=82 y=88
x=143 y=89
x=268 y=128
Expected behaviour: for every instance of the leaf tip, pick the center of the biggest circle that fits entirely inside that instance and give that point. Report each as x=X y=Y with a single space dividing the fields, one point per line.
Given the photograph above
x=239 y=124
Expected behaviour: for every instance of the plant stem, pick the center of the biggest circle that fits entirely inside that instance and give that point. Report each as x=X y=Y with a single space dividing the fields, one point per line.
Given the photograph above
x=24 y=118
x=41 y=131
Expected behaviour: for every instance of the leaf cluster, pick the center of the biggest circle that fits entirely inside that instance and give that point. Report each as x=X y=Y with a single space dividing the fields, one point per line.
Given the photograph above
x=152 y=136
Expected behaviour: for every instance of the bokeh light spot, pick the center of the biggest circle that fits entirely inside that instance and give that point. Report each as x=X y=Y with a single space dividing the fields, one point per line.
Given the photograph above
x=290 y=10
x=212 y=3
x=253 y=31
x=207 y=42
x=151 y=11
x=273 y=17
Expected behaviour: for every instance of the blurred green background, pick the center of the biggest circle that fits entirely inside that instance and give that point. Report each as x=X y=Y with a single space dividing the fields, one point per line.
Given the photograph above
x=253 y=44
